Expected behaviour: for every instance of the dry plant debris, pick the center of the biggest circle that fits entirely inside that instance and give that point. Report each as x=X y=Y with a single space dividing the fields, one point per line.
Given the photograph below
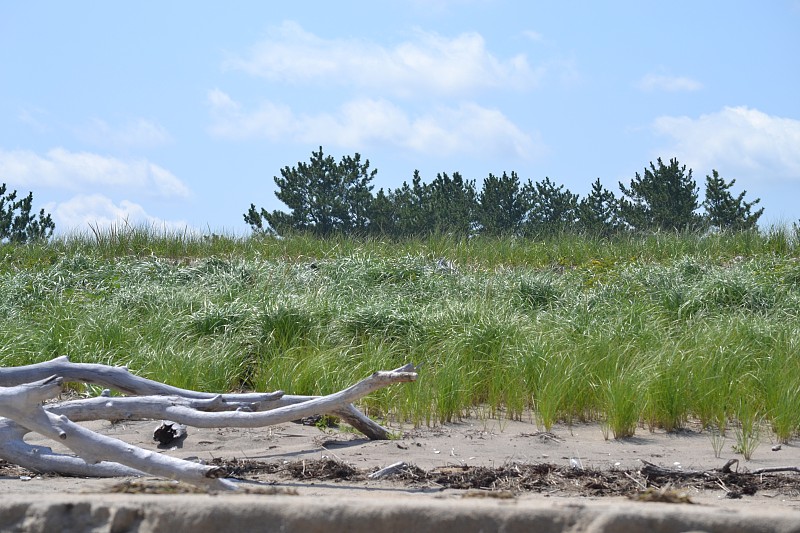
x=518 y=478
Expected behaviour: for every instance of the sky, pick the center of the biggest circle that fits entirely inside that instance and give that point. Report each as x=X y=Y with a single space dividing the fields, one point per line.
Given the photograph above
x=179 y=114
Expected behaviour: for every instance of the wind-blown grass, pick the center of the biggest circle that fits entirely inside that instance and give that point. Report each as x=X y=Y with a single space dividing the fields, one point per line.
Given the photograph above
x=652 y=330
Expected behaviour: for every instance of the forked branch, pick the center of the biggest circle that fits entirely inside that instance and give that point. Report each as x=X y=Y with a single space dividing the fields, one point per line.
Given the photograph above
x=99 y=455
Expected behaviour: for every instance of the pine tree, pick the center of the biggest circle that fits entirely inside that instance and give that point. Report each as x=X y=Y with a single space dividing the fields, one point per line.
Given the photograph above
x=17 y=224
x=550 y=209
x=324 y=197
x=383 y=215
x=501 y=208
x=665 y=198
x=453 y=204
x=598 y=213
x=412 y=205
x=725 y=212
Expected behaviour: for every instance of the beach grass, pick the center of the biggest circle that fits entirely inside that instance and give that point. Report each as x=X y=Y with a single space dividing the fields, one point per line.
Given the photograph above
x=635 y=331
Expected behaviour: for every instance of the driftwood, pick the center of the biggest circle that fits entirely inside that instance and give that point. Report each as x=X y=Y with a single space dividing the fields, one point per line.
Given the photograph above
x=388 y=470
x=22 y=392
x=118 y=378
x=653 y=469
x=734 y=483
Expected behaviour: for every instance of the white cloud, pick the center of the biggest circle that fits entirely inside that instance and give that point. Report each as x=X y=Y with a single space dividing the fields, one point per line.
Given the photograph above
x=467 y=128
x=270 y=120
x=60 y=168
x=137 y=133
x=744 y=140
x=84 y=212
x=35 y=117
x=471 y=129
x=428 y=62
x=662 y=82
x=533 y=35
x=219 y=100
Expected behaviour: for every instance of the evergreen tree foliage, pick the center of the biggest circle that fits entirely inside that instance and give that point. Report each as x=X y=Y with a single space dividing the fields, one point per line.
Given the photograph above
x=446 y=205
x=415 y=211
x=725 y=212
x=324 y=197
x=383 y=217
x=17 y=224
x=453 y=204
x=501 y=206
x=550 y=209
x=598 y=213
x=403 y=212
x=665 y=198
x=327 y=197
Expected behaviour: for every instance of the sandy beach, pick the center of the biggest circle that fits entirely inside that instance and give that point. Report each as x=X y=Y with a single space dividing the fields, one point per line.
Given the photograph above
x=494 y=462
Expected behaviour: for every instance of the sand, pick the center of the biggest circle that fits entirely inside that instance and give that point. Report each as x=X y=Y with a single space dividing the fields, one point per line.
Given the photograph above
x=584 y=471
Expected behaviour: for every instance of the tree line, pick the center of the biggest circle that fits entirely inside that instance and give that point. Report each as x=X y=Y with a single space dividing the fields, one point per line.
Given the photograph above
x=327 y=197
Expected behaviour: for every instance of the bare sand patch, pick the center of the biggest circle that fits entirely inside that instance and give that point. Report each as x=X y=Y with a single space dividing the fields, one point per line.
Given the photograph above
x=476 y=459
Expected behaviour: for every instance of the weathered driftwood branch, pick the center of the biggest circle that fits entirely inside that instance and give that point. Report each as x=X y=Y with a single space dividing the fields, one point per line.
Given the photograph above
x=43 y=459
x=649 y=468
x=388 y=470
x=213 y=413
x=120 y=379
x=23 y=405
x=771 y=469
x=104 y=456
x=653 y=469
x=114 y=377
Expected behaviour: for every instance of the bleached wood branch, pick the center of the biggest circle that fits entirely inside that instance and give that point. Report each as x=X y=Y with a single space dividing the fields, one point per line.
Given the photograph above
x=650 y=468
x=388 y=470
x=113 y=377
x=105 y=456
x=22 y=404
x=120 y=379
x=772 y=469
x=213 y=413
x=42 y=458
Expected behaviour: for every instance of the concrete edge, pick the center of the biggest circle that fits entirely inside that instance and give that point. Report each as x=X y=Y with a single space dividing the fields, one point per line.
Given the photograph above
x=241 y=513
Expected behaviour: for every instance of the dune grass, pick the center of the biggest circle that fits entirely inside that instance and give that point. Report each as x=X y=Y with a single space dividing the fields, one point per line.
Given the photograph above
x=634 y=332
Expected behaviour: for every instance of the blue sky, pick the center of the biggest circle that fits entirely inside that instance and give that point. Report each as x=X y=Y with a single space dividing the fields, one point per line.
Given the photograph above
x=179 y=114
